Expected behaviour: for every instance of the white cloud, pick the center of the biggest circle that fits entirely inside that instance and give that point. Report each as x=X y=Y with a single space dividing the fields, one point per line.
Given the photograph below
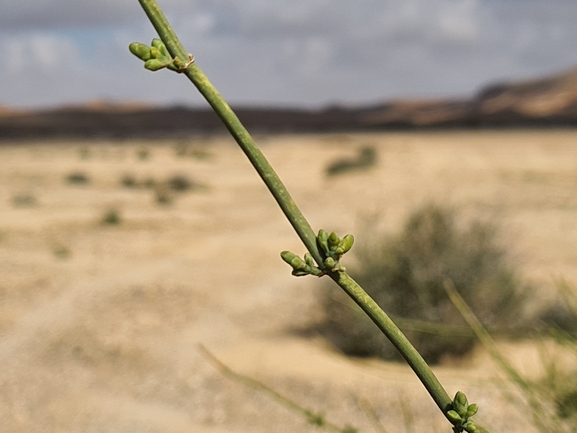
x=285 y=51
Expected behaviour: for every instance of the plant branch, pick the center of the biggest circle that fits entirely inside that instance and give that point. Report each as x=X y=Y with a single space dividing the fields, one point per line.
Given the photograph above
x=328 y=263
x=396 y=337
x=236 y=129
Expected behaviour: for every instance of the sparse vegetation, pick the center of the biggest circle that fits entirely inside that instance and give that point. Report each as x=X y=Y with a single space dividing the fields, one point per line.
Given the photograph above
x=365 y=158
x=84 y=152
x=78 y=178
x=24 y=200
x=183 y=149
x=143 y=153
x=163 y=195
x=62 y=252
x=164 y=191
x=128 y=181
x=405 y=274
x=180 y=183
x=111 y=217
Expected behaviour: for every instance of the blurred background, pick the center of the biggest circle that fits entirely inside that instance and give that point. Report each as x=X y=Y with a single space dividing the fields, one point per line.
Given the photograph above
x=305 y=53
x=132 y=229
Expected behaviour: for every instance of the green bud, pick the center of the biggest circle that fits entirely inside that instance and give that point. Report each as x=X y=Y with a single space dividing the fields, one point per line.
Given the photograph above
x=157 y=43
x=155 y=53
x=471 y=427
x=347 y=243
x=322 y=240
x=309 y=260
x=299 y=273
x=330 y=263
x=155 y=64
x=141 y=51
x=454 y=417
x=334 y=241
x=460 y=403
x=287 y=256
x=164 y=51
x=472 y=410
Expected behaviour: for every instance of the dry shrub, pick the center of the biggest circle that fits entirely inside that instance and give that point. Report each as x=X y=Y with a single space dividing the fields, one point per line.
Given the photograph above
x=111 y=217
x=365 y=158
x=77 y=178
x=405 y=274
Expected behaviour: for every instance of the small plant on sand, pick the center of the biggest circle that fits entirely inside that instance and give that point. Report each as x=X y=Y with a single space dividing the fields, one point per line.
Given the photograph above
x=405 y=274
x=325 y=250
x=62 y=252
x=24 y=199
x=111 y=217
x=77 y=178
x=128 y=181
x=143 y=153
x=180 y=183
x=365 y=158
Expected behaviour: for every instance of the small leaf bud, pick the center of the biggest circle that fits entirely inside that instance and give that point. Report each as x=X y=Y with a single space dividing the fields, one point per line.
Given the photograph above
x=460 y=403
x=141 y=51
x=347 y=243
x=333 y=241
x=154 y=64
x=472 y=410
x=454 y=417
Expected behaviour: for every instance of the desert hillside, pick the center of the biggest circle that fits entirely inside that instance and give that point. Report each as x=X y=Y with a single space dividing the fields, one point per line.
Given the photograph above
x=543 y=102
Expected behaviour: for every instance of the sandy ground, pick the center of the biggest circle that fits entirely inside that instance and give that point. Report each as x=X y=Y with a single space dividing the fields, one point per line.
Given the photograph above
x=99 y=325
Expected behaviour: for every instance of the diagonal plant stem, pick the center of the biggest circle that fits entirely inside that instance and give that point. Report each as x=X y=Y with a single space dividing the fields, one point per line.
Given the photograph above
x=291 y=211
x=236 y=129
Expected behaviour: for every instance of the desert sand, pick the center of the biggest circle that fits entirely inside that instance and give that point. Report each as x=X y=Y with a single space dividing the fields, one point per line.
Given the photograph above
x=100 y=324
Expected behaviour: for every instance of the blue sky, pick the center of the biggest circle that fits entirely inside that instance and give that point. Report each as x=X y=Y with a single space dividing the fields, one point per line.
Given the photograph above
x=282 y=52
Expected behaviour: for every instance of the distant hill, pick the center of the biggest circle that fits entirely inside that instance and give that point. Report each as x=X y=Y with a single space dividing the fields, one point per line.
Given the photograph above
x=544 y=102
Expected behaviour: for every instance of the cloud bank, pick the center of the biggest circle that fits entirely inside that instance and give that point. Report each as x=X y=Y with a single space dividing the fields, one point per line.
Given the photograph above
x=281 y=52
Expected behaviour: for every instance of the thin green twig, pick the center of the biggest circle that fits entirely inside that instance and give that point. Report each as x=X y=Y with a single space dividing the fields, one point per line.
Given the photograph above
x=236 y=129
x=292 y=212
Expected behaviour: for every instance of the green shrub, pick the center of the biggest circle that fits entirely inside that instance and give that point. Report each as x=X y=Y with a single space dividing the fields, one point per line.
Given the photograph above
x=77 y=178
x=62 y=252
x=128 y=181
x=366 y=157
x=163 y=195
x=406 y=274
x=111 y=217
x=179 y=182
x=143 y=153
x=24 y=200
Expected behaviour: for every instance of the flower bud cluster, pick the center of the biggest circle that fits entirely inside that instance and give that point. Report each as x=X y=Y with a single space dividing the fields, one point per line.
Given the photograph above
x=332 y=248
x=156 y=56
x=461 y=412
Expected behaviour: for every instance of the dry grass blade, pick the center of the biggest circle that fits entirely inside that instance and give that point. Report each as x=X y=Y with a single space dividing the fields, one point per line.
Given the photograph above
x=315 y=418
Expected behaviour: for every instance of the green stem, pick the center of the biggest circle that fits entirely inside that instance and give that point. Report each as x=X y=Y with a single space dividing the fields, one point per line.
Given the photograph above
x=292 y=212
x=236 y=129
x=396 y=337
